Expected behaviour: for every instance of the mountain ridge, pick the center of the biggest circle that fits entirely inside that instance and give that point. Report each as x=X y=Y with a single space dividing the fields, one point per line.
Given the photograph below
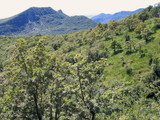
x=104 y=18
x=43 y=20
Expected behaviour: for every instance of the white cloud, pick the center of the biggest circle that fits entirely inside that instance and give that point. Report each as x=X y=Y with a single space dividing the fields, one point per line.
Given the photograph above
x=73 y=7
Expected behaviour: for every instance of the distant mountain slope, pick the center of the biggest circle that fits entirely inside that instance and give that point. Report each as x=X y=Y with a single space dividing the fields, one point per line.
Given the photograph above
x=43 y=21
x=104 y=18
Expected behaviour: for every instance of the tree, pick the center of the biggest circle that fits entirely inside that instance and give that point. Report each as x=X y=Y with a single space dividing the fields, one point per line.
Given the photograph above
x=130 y=45
x=88 y=76
x=140 y=27
x=116 y=47
x=131 y=23
x=30 y=76
x=145 y=34
x=143 y=15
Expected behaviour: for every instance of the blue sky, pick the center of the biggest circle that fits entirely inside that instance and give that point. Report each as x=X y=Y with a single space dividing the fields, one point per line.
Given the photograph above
x=74 y=7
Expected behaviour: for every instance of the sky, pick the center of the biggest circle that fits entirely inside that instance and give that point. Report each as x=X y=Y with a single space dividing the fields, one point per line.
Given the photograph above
x=74 y=7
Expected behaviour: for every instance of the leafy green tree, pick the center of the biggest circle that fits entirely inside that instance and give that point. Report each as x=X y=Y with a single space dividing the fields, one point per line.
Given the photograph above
x=155 y=11
x=112 y=25
x=144 y=15
x=140 y=27
x=130 y=46
x=131 y=23
x=116 y=47
x=96 y=54
x=59 y=90
x=88 y=76
x=108 y=35
x=146 y=34
x=127 y=37
x=30 y=76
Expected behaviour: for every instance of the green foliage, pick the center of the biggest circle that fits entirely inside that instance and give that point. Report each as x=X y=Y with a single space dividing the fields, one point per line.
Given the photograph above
x=145 y=34
x=116 y=47
x=109 y=72
x=129 y=71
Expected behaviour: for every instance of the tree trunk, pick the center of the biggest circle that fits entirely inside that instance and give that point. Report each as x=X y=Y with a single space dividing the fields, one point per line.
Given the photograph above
x=56 y=115
x=93 y=115
x=57 y=101
x=51 y=116
x=36 y=107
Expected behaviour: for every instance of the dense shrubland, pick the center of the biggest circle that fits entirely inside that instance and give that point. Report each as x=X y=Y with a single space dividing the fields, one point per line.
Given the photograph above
x=109 y=72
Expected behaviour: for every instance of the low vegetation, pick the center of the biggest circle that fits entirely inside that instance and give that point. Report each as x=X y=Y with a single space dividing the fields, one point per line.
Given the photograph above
x=111 y=72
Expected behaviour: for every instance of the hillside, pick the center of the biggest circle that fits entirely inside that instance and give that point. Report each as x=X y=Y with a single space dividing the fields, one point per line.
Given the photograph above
x=45 y=21
x=105 y=18
x=111 y=72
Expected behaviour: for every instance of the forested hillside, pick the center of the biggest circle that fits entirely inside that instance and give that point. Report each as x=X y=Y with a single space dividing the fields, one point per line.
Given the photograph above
x=111 y=72
x=44 y=21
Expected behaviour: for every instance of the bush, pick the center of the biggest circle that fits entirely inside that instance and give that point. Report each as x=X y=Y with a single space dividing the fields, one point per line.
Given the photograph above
x=129 y=71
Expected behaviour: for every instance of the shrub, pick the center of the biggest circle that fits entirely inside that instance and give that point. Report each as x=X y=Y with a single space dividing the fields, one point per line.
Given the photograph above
x=129 y=71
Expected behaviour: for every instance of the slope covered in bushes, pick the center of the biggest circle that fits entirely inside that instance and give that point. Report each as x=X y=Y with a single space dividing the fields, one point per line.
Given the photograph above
x=110 y=72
